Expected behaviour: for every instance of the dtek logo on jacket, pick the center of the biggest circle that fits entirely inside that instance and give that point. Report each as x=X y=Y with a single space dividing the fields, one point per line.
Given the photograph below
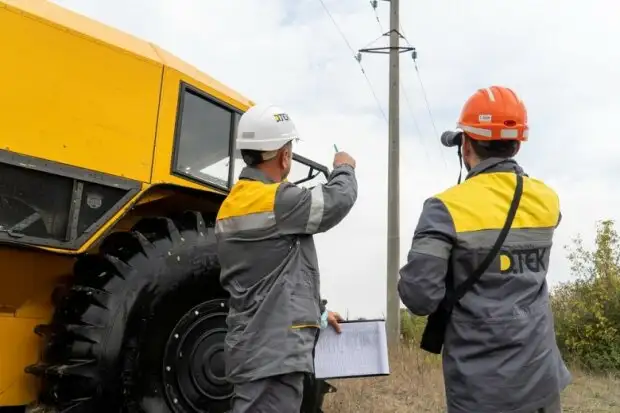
x=517 y=261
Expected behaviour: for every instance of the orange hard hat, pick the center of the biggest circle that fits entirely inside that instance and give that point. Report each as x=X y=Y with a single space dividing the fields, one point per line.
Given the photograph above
x=494 y=113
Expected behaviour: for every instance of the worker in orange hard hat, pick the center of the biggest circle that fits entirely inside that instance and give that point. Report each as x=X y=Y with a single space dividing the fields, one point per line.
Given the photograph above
x=477 y=268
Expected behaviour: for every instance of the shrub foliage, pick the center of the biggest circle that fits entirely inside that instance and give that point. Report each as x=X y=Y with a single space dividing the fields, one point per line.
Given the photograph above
x=587 y=308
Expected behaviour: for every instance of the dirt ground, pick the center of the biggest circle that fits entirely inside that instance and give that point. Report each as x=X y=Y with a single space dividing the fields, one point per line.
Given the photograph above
x=416 y=385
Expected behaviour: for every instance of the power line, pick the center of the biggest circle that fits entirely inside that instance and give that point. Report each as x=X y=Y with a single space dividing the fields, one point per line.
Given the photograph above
x=374 y=8
x=337 y=27
x=428 y=106
x=402 y=88
x=357 y=58
x=415 y=63
x=415 y=122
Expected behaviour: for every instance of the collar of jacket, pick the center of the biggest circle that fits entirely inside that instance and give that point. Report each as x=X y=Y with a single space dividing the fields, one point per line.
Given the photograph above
x=255 y=174
x=495 y=165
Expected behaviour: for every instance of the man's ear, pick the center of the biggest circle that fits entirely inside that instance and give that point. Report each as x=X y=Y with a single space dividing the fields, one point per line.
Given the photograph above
x=517 y=148
x=466 y=148
x=283 y=154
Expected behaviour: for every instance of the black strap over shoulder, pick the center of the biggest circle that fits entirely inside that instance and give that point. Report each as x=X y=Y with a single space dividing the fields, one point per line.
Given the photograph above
x=460 y=291
x=436 y=325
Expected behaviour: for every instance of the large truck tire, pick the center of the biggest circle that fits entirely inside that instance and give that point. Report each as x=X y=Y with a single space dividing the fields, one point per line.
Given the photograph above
x=141 y=328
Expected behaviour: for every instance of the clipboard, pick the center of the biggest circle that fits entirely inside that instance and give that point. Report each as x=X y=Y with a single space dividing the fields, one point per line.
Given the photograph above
x=360 y=350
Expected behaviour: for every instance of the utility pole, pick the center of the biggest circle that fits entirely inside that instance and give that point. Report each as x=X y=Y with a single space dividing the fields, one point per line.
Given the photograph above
x=393 y=218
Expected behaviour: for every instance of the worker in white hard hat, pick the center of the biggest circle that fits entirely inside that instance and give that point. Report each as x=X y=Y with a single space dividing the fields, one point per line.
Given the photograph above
x=265 y=231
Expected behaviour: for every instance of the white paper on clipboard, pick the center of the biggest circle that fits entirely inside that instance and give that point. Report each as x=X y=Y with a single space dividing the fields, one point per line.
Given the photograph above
x=360 y=350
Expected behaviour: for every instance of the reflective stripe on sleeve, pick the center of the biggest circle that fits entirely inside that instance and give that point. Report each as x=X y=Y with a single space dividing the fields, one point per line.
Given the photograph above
x=317 y=205
x=432 y=246
x=258 y=220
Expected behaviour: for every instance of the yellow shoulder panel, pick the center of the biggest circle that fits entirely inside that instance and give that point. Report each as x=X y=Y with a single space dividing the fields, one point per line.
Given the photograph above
x=482 y=202
x=248 y=197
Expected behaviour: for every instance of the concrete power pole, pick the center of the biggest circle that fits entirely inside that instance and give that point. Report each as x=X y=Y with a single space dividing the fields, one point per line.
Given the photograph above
x=393 y=218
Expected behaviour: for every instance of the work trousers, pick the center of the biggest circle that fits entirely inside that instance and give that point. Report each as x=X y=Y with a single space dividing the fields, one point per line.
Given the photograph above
x=277 y=394
x=554 y=407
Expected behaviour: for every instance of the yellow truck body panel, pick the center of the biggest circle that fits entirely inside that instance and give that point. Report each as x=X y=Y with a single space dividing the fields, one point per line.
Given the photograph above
x=26 y=283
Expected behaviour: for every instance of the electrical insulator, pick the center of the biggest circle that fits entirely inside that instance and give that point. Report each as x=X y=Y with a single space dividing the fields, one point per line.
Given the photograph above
x=414 y=54
x=373 y=3
x=358 y=57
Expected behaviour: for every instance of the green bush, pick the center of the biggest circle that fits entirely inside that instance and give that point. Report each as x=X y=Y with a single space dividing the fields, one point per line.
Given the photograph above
x=587 y=308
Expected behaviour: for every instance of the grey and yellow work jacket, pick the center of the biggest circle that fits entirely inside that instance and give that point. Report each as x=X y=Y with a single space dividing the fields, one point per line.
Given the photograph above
x=500 y=353
x=270 y=269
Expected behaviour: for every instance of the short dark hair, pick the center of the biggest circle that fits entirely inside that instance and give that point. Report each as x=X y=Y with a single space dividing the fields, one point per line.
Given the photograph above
x=252 y=158
x=494 y=149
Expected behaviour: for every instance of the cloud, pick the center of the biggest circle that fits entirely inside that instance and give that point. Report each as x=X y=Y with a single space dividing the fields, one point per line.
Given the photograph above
x=559 y=56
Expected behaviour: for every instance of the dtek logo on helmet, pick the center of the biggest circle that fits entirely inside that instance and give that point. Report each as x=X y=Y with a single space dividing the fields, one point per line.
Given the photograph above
x=280 y=117
x=517 y=261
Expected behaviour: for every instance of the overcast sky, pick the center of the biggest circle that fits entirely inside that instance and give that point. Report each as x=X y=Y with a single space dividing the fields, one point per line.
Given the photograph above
x=561 y=57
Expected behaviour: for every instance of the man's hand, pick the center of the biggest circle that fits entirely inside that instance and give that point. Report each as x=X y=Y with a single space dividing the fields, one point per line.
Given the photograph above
x=342 y=158
x=332 y=319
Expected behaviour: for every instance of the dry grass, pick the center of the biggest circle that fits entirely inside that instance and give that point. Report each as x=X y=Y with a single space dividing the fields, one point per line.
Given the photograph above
x=416 y=385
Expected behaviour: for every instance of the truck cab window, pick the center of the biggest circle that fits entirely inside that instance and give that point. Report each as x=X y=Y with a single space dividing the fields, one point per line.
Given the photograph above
x=203 y=140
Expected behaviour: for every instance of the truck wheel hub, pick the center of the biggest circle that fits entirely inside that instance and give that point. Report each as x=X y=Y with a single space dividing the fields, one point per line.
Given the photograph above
x=194 y=371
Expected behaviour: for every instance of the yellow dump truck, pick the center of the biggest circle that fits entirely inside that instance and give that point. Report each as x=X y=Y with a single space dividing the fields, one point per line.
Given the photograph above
x=114 y=159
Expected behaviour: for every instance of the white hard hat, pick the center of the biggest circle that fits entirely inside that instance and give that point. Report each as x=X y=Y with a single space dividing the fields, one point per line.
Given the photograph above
x=265 y=128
